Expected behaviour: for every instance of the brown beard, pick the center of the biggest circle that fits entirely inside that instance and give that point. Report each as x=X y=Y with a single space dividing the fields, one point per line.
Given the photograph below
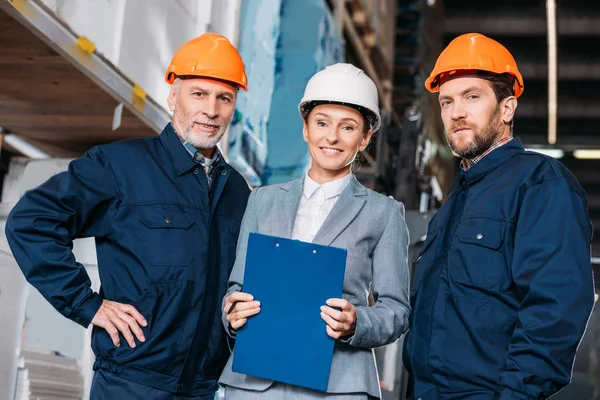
x=482 y=138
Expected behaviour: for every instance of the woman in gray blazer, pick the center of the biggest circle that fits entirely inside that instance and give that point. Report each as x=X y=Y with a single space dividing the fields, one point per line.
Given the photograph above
x=329 y=206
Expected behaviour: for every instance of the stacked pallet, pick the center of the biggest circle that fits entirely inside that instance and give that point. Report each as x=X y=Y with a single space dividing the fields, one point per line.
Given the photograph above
x=46 y=375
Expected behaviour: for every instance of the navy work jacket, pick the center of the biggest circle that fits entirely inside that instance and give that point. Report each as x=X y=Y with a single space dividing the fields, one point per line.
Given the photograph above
x=163 y=244
x=504 y=286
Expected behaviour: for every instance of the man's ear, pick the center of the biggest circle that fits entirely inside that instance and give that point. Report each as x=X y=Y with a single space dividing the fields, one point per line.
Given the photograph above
x=508 y=109
x=171 y=99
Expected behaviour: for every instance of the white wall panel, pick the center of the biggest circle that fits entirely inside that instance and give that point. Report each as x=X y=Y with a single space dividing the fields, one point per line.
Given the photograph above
x=141 y=36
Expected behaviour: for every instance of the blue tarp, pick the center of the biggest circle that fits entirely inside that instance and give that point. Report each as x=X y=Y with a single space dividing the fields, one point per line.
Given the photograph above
x=283 y=43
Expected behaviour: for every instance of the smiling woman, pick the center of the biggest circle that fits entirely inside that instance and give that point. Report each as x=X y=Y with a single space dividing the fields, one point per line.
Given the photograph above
x=330 y=207
x=341 y=113
x=335 y=134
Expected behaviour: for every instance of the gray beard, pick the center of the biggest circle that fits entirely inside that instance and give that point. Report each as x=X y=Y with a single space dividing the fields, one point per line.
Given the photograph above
x=204 y=144
x=199 y=143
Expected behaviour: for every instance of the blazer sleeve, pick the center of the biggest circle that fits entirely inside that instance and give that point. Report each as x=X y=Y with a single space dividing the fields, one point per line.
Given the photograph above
x=387 y=320
x=236 y=278
x=40 y=229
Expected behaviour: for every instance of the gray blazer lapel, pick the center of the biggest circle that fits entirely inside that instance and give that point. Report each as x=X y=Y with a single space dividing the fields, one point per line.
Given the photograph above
x=284 y=211
x=348 y=206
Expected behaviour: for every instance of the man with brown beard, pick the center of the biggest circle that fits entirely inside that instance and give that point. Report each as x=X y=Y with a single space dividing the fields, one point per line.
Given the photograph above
x=504 y=286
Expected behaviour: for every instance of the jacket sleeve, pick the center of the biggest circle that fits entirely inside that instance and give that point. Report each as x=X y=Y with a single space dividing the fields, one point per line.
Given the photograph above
x=387 y=320
x=40 y=229
x=236 y=278
x=553 y=274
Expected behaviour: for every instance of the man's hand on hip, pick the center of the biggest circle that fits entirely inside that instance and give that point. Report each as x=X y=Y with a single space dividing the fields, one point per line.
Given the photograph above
x=117 y=317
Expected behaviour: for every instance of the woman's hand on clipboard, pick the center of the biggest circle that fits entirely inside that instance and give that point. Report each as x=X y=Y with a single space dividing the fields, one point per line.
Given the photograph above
x=341 y=323
x=238 y=307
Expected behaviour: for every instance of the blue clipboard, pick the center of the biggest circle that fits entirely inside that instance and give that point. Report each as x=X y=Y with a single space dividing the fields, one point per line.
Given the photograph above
x=287 y=341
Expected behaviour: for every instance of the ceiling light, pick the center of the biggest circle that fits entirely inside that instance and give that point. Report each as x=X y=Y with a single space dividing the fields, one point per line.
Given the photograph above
x=587 y=154
x=556 y=153
x=24 y=147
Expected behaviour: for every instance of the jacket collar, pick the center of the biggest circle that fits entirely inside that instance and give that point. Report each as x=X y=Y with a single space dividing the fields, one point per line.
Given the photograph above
x=343 y=213
x=330 y=189
x=349 y=204
x=285 y=215
x=181 y=160
x=488 y=163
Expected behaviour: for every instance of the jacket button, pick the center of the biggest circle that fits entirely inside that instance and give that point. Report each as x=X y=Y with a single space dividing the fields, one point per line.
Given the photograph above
x=195 y=171
x=168 y=220
x=479 y=236
x=224 y=172
x=77 y=319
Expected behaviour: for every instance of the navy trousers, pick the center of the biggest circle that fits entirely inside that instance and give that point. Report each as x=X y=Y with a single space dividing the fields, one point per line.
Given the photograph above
x=108 y=386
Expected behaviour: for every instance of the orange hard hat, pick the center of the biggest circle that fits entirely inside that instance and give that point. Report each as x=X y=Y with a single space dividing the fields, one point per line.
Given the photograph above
x=209 y=55
x=474 y=51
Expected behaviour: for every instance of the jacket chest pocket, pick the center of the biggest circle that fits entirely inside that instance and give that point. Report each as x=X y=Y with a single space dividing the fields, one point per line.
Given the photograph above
x=477 y=258
x=168 y=238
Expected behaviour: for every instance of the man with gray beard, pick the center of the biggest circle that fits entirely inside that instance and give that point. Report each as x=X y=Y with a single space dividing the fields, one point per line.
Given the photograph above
x=504 y=286
x=165 y=212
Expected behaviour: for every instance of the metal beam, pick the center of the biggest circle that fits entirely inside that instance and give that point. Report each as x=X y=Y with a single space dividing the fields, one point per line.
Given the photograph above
x=385 y=93
x=46 y=25
x=514 y=25
x=575 y=109
x=566 y=140
x=552 y=70
x=23 y=146
x=566 y=70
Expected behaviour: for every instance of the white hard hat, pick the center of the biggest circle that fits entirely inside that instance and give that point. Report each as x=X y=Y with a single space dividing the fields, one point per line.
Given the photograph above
x=344 y=84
